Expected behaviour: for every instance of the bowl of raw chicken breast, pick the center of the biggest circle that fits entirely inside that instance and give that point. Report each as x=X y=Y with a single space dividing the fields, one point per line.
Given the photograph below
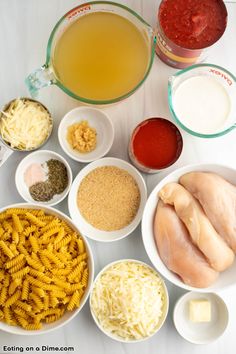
x=189 y=227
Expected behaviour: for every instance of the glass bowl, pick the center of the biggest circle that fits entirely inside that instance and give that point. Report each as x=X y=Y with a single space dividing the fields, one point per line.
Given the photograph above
x=46 y=75
x=223 y=76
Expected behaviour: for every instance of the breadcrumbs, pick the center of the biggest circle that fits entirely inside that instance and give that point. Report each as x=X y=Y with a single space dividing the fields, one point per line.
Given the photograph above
x=108 y=198
x=82 y=137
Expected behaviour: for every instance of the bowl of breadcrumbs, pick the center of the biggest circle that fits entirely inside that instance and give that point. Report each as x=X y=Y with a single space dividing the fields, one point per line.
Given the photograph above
x=107 y=199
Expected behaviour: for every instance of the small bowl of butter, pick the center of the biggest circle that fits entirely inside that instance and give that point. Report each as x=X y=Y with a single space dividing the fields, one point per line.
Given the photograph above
x=200 y=318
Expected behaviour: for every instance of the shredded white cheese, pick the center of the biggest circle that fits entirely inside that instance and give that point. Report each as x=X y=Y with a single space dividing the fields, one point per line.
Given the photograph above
x=25 y=125
x=128 y=300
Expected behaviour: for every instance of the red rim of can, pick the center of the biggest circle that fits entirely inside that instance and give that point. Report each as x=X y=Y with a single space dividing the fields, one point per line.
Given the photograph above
x=139 y=164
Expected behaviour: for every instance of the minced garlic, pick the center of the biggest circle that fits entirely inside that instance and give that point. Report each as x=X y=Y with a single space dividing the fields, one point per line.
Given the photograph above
x=82 y=137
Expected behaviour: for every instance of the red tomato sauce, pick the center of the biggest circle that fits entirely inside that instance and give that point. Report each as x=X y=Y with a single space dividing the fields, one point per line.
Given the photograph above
x=193 y=24
x=156 y=143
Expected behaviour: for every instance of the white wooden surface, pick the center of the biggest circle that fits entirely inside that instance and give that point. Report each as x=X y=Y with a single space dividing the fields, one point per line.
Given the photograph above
x=25 y=26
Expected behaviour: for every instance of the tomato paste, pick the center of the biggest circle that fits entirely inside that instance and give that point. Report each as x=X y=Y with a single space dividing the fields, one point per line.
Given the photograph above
x=156 y=143
x=193 y=24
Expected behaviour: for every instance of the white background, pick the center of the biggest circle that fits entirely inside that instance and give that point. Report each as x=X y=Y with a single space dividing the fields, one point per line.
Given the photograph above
x=25 y=26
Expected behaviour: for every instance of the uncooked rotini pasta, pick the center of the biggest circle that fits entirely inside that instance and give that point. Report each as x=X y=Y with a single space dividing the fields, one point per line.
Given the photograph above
x=14 y=249
x=38 y=302
x=17 y=223
x=80 y=246
x=29 y=230
x=64 y=241
x=12 y=299
x=12 y=288
x=24 y=306
x=34 y=243
x=20 y=312
x=3 y=295
x=75 y=298
x=34 y=220
x=50 y=232
x=77 y=271
x=52 y=257
x=34 y=263
x=40 y=292
x=7 y=226
x=6 y=250
x=25 y=290
x=21 y=273
x=14 y=261
x=15 y=237
x=84 y=279
x=20 y=265
x=43 y=268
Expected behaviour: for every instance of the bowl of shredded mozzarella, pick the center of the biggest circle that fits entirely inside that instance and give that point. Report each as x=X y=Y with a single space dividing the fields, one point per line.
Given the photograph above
x=129 y=301
x=25 y=124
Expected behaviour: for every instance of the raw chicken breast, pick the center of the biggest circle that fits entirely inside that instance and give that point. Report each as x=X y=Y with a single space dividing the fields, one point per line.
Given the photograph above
x=178 y=252
x=218 y=199
x=202 y=233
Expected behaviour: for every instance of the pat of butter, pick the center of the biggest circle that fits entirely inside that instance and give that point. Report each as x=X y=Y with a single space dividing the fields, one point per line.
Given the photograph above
x=200 y=310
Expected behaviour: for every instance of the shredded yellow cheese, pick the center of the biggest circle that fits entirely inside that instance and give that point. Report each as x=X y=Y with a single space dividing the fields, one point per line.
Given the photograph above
x=25 y=125
x=128 y=300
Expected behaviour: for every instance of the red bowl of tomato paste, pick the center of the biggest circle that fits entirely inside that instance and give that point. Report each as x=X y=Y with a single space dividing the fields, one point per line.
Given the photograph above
x=186 y=27
x=155 y=144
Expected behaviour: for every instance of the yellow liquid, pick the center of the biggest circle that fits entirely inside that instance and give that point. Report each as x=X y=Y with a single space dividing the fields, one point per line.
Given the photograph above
x=101 y=56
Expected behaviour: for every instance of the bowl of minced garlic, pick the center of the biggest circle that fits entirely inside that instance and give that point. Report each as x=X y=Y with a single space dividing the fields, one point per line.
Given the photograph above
x=86 y=134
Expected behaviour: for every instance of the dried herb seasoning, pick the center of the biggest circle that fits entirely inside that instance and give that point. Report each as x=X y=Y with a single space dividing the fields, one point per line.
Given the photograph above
x=56 y=182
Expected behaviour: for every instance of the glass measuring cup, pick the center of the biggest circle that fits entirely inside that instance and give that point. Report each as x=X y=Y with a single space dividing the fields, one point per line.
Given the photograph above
x=223 y=76
x=46 y=75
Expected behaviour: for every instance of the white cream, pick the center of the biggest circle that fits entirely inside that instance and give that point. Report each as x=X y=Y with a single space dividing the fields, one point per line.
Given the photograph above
x=202 y=104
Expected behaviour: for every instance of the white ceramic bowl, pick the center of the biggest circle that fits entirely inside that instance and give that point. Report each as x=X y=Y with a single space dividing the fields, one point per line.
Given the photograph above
x=68 y=315
x=96 y=119
x=228 y=277
x=87 y=229
x=165 y=310
x=204 y=332
x=40 y=157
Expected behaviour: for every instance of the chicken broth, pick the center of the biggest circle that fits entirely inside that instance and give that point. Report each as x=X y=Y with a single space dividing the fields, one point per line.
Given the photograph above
x=101 y=56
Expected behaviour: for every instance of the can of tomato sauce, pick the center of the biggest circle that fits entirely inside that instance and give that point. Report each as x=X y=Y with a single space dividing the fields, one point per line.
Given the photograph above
x=155 y=144
x=185 y=28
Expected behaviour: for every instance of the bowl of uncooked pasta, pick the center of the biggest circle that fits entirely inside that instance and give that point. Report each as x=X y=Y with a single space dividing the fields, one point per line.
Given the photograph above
x=46 y=269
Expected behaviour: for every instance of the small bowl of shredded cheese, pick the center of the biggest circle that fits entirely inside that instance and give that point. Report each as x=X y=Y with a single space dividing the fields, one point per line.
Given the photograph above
x=25 y=124
x=129 y=301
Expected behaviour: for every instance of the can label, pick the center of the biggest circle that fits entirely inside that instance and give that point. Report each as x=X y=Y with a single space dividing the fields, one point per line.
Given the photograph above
x=176 y=56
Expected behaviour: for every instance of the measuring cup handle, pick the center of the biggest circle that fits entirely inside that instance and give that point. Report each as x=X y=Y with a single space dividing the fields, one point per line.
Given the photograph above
x=5 y=152
x=38 y=79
